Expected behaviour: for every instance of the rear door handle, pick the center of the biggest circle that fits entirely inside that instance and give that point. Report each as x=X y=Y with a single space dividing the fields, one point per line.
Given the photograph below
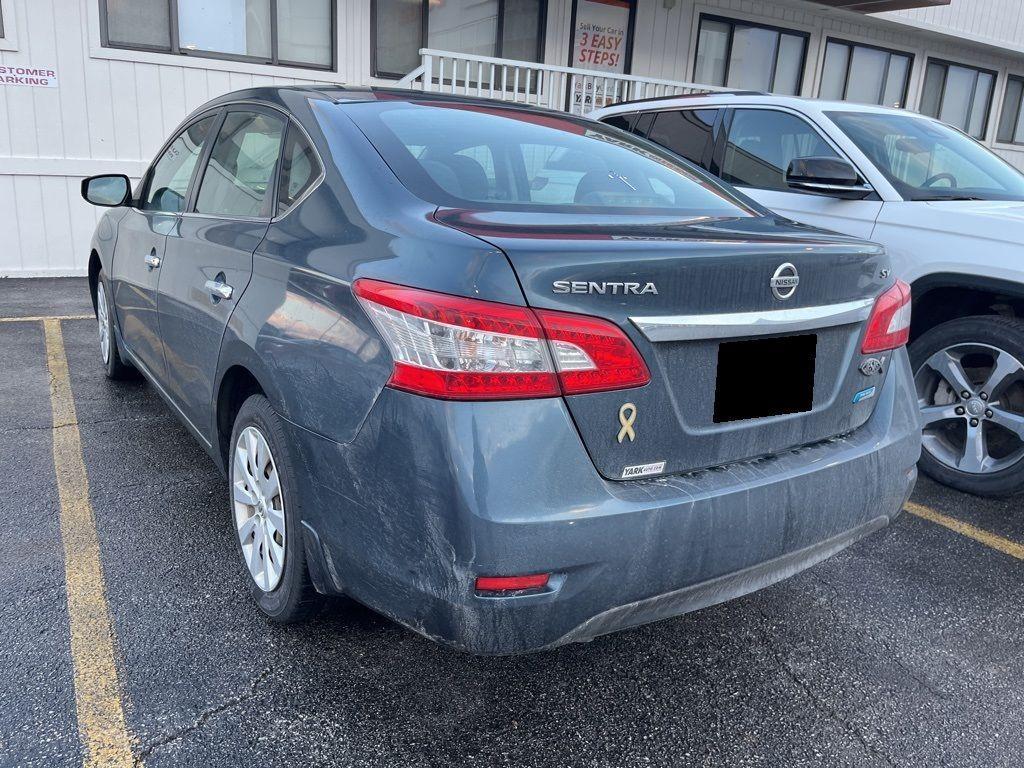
x=219 y=290
x=152 y=260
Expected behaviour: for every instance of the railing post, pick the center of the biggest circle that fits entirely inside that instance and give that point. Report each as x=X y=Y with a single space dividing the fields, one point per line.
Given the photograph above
x=428 y=71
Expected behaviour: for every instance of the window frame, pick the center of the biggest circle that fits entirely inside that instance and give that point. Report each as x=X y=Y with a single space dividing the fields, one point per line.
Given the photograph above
x=174 y=48
x=851 y=44
x=219 y=113
x=1016 y=118
x=723 y=142
x=733 y=22
x=542 y=23
x=946 y=64
x=142 y=191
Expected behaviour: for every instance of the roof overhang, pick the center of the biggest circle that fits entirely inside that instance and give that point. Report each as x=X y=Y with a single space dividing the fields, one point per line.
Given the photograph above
x=877 y=6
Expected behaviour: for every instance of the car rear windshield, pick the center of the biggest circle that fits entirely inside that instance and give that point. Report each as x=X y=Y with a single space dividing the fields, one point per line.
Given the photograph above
x=493 y=158
x=927 y=160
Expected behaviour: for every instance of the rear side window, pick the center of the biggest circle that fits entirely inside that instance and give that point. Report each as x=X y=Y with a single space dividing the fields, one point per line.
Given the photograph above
x=241 y=166
x=168 y=184
x=763 y=142
x=484 y=157
x=686 y=132
x=299 y=170
x=623 y=122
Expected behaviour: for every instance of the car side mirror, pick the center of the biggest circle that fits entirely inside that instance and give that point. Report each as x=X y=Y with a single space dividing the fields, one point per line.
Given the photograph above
x=829 y=176
x=109 y=190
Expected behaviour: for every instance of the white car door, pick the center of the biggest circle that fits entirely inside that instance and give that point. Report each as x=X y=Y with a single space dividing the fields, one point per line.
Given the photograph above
x=760 y=144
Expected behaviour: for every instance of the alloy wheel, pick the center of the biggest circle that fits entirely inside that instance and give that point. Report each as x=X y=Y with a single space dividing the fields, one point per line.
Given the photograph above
x=259 y=508
x=972 y=402
x=103 y=321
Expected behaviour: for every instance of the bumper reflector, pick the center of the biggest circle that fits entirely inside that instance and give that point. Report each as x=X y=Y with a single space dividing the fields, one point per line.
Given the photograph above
x=511 y=583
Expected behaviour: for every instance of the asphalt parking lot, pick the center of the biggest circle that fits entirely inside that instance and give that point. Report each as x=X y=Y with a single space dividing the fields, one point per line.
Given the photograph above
x=904 y=650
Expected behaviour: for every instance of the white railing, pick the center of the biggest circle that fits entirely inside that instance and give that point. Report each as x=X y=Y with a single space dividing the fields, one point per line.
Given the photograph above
x=566 y=88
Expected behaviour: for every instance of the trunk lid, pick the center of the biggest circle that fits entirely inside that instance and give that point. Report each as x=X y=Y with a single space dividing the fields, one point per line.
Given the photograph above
x=644 y=273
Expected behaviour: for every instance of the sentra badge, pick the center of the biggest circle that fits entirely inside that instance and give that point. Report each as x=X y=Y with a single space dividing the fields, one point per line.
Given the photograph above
x=614 y=288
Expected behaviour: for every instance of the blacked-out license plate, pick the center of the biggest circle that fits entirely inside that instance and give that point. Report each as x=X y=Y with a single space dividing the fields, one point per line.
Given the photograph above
x=764 y=377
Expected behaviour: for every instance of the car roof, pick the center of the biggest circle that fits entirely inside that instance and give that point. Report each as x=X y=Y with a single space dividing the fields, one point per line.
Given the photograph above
x=735 y=98
x=288 y=96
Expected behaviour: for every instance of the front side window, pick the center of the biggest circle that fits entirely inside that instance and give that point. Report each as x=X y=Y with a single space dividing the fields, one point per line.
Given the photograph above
x=168 y=183
x=1011 y=126
x=958 y=95
x=241 y=167
x=926 y=160
x=763 y=142
x=739 y=54
x=288 y=32
x=865 y=74
x=490 y=158
x=509 y=29
x=686 y=132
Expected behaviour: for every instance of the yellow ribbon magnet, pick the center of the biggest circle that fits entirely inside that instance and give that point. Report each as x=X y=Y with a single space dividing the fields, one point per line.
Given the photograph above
x=627 y=415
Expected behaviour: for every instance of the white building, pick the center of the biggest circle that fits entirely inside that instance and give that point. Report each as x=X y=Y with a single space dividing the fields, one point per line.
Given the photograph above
x=94 y=86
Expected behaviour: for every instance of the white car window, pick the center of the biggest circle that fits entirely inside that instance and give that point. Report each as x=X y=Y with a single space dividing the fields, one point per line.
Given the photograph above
x=763 y=142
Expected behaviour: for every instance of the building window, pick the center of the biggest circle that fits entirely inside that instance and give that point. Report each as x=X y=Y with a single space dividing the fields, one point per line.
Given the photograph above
x=297 y=33
x=738 y=54
x=1011 y=126
x=958 y=95
x=511 y=29
x=865 y=74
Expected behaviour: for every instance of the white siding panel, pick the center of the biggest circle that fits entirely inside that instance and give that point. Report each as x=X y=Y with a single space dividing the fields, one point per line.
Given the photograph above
x=10 y=254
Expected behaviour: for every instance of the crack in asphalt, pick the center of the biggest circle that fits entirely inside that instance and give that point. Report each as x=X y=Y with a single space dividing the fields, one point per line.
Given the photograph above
x=204 y=717
x=818 y=703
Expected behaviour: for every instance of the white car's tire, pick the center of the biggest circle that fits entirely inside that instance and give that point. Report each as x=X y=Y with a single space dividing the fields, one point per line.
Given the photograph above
x=969 y=375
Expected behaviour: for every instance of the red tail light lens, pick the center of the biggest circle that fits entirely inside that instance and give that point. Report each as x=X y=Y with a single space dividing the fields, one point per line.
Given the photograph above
x=889 y=324
x=590 y=354
x=466 y=349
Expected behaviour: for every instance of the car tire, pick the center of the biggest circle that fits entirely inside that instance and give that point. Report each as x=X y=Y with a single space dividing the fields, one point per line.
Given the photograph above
x=114 y=365
x=973 y=343
x=278 y=577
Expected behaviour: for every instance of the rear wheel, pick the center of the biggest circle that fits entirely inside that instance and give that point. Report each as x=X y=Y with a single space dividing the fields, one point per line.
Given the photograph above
x=265 y=516
x=115 y=367
x=969 y=375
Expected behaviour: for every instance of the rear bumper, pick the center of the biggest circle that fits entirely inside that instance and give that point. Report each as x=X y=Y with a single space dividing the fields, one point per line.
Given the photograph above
x=432 y=494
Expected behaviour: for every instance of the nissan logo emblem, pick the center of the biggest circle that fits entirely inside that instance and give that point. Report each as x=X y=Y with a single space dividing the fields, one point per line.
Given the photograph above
x=784 y=281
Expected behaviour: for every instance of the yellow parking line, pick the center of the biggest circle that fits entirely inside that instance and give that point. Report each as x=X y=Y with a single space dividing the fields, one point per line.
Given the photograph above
x=44 y=318
x=1007 y=547
x=101 y=721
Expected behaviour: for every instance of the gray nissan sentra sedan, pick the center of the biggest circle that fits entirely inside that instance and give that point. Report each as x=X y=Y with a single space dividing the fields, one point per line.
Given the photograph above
x=512 y=378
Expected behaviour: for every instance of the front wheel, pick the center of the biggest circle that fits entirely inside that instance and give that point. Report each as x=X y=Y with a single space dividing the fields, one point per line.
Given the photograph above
x=115 y=367
x=265 y=515
x=969 y=375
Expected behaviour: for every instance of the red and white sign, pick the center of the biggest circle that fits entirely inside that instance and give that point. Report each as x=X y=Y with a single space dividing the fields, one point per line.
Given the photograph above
x=33 y=77
x=600 y=42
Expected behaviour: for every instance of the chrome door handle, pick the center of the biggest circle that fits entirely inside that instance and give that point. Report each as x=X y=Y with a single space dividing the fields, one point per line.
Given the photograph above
x=152 y=260
x=219 y=289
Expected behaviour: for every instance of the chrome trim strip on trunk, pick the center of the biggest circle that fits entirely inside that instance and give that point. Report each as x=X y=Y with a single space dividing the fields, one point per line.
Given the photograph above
x=733 y=324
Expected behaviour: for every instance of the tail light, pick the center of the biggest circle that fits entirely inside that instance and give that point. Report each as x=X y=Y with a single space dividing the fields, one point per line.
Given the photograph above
x=889 y=324
x=467 y=349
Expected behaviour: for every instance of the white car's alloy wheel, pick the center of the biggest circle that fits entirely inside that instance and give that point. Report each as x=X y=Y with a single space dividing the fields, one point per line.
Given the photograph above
x=259 y=508
x=103 y=320
x=971 y=421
